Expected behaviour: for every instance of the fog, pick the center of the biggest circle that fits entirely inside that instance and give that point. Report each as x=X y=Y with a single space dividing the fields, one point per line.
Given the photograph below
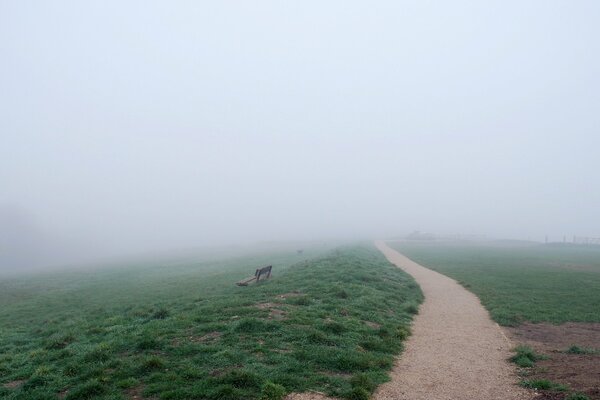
x=142 y=126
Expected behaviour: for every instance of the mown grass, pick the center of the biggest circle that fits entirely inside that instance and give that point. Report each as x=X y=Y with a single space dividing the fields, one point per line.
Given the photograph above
x=520 y=282
x=332 y=323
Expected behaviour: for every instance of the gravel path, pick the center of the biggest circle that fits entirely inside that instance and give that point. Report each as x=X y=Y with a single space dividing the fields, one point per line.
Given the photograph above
x=456 y=351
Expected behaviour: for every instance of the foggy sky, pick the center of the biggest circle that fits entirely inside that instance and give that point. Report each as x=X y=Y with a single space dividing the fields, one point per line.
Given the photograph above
x=143 y=125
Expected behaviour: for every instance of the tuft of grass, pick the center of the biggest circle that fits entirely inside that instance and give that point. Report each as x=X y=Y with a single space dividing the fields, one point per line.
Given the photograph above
x=358 y=393
x=148 y=343
x=526 y=357
x=581 y=350
x=99 y=353
x=364 y=381
x=543 y=384
x=412 y=309
x=300 y=300
x=318 y=337
x=87 y=390
x=151 y=363
x=272 y=391
x=59 y=341
x=241 y=378
x=254 y=325
x=334 y=327
x=577 y=396
x=161 y=313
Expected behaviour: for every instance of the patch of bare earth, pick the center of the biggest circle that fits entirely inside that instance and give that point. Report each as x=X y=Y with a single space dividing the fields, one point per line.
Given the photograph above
x=308 y=396
x=274 y=313
x=13 y=384
x=373 y=325
x=209 y=337
x=581 y=372
x=288 y=295
x=456 y=351
x=137 y=393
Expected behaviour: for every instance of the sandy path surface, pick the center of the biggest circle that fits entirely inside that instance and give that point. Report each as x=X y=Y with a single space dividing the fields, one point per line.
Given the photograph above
x=456 y=351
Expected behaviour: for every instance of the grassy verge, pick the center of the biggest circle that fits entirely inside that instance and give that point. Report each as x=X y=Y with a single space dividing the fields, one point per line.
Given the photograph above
x=332 y=323
x=517 y=283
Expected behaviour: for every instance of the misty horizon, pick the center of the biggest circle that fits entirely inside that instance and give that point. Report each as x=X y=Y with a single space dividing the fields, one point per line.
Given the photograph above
x=141 y=128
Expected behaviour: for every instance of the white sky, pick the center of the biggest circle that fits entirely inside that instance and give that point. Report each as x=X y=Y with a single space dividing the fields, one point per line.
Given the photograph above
x=139 y=125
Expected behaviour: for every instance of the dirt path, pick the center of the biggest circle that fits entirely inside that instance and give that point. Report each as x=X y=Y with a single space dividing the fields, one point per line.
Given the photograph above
x=456 y=351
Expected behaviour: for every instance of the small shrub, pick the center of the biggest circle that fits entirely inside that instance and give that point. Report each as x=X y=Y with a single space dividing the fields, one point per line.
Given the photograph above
x=272 y=391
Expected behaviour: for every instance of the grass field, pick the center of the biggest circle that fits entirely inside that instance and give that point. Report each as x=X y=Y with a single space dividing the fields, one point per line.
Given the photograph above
x=520 y=281
x=328 y=322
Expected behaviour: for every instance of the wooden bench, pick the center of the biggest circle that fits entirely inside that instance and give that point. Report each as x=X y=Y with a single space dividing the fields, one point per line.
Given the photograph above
x=257 y=275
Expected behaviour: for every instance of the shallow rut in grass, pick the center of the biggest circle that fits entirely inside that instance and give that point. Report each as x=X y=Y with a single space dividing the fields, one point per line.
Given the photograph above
x=456 y=351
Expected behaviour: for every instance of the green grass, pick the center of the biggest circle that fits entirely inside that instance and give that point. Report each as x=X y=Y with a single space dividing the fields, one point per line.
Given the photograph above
x=526 y=357
x=581 y=350
x=543 y=384
x=577 y=396
x=332 y=323
x=520 y=282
